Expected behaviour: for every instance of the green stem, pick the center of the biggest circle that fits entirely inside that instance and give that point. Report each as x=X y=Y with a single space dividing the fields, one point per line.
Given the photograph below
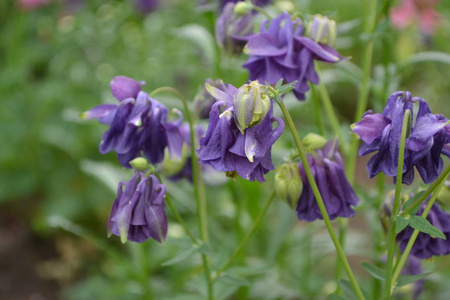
x=430 y=189
x=331 y=113
x=395 y=209
x=342 y=237
x=180 y=220
x=363 y=98
x=316 y=102
x=413 y=238
x=262 y=11
x=142 y=267
x=199 y=189
x=247 y=237
x=320 y=203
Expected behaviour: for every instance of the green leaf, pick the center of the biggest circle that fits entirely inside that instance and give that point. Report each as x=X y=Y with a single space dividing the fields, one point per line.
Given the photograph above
x=200 y=36
x=182 y=256
x=336 y=297
x=348 y=288
x=375 y=271
x=428 y=56
x=205 y=248
x=422 y=224
x=411 y=201
x=401 y=224
x=234 y=280
x=407 y=279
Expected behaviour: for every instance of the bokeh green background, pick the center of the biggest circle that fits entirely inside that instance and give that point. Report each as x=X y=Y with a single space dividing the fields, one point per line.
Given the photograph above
x=56 y=189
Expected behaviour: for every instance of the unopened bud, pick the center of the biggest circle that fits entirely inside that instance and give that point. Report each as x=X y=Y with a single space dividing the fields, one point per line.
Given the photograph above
x=242 y=8
x=322 y=30
x=314 y=141
x=444 y=194
x=139 y=164
x=288 y=184
x=251 y=105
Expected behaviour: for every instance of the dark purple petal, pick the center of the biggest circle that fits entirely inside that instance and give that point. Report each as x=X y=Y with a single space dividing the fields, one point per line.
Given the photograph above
x=123 y=87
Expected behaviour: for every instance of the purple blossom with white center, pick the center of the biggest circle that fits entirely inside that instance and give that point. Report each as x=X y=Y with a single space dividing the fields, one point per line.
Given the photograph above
x=137 y=124
x=233 y=30
x=427 y=139
x=138 y=213
x=425 y=245
x=226 y=149
x=280 y=50
x=337 y=193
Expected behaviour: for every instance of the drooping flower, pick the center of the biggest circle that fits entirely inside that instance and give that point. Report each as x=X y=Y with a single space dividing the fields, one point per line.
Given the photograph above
x=281 y=50
x=138 y=213
x=337 y=193
x=424 y=144
x=426 y=246
x=138 y=124
x=227 y=149
x=233 y=30
x=421 y=12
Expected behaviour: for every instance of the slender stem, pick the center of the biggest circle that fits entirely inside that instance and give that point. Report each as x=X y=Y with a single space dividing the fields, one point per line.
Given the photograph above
x=342 y=237
x=199 y=189
x=413 y=238
x=316 y=102
x=363 y=98
x=247 y=237
x=331 y=113
x=395 y=209
x=320 y=202
x=424 y=196
x=180 y=220
x=262 y=11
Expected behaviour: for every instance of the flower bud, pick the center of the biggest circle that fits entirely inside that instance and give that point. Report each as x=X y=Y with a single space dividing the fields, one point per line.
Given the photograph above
x=123 y=87
x=242 y=8
x=288 y=184
x=139 y=163
x=322 y=30
x=251 y=104
x=444 y=194
x=314 y=141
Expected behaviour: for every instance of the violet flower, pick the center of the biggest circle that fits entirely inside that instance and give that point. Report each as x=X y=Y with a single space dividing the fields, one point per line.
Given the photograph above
x=280 y=50
x=337 y=193
x=204 y=101
x=425 y=143
x=233 y=30
x=227 y=149
x=138 y=213
x=425 y=245
x=137 y=124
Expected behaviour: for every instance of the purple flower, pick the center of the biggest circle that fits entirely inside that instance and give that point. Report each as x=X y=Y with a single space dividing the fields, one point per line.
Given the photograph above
x=138 y=213
x=337 y=193
x=425 y=141
x=425 y=245
x=138 y=124
x=281 y=51
x=146 y=6
x=226 y=149
x=233 y=30
x=204 y=101
x=413 y=266
x=223 y=3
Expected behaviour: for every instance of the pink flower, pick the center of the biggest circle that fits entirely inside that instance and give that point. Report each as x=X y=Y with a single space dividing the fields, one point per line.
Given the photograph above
x=422 y=12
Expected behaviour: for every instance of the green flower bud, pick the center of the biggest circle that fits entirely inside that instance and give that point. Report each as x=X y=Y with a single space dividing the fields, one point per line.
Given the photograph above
x=444 y=194
x=251 y=104
x=171 y=166
x=322 y=30
x=140 y=164
x=314 y=141
x=242 y=8
x=288 y=184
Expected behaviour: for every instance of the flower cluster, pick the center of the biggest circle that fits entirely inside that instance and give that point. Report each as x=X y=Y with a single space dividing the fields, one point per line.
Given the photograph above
x=240 y=134
x=337 y=193
x=138 y=213
x=137 y=124
x=426 y=141
x=425 y=245
x=280 y=50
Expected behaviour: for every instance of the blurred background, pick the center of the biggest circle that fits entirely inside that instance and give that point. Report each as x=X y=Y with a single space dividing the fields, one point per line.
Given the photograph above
x=56 y=60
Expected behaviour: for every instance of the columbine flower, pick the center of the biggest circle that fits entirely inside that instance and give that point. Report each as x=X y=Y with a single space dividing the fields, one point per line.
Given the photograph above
x=337 y=193
x=281 y=51
x=233 y=30
x=424 y=145
x=227 y=149
x=138 y=213
x=204 y=101
x=416 y=11
x=138 y=124
x=425 y=245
